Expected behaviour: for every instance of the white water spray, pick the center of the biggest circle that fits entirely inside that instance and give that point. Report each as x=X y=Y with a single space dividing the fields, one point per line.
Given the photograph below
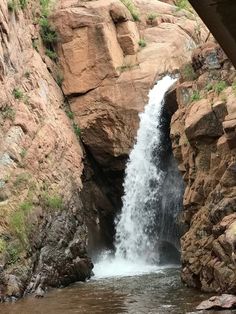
x=136 y=232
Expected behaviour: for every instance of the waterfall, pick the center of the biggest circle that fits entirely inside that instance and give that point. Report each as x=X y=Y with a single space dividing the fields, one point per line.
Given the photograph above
x=151 y=196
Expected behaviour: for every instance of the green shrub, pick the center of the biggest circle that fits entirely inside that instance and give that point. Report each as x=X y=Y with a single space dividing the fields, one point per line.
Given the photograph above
x=23 y=4
x=187 y=72
x=195 y=96
x=132 y=9
x=142 y=43
x=209 y=87
x=77 y=129
x=59 y=79
x=70 y=114
x=14 y=250
x=52 y=201
x=183 y=4
x=27 y=74
x=17 y=93
x=45 y=7
x=18 y=224
x=8 y=113
x=12 y=6
x=151 y=16
x=23 y=153
x=47 y=32
x=219 y=87
x=22 y=179
x=26 y=206
x=3 y=245
x=51 y=54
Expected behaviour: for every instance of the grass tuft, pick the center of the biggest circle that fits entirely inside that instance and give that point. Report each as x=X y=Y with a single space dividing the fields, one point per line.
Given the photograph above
x=17 y=93
x=52 y=201
x=23 y=4
x=51 y=54
x=8 y=113
x=219 y=87
x=132 y=9
x=183 y=5
x=142 y=43
x=151 y=16
x=195 y=96
x=187 y=72
x=77 y=129
x=12 y=6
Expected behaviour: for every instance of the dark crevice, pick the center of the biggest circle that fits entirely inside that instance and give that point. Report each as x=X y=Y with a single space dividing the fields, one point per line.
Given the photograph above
x=101 y=196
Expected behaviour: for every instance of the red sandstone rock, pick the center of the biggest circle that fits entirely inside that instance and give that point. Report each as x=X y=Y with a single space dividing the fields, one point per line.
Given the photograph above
x=203 y=141
x=113 y=73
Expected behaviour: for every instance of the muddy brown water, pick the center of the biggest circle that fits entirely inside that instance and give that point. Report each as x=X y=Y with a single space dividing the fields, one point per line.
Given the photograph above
x=158 y=293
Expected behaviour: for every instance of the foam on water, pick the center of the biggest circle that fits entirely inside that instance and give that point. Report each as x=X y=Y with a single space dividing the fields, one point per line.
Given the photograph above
x=110 y=266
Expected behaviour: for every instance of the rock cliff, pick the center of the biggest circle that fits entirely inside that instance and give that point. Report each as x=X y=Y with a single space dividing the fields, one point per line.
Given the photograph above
x=63 y=150
x=204 y=144
x=43 y=231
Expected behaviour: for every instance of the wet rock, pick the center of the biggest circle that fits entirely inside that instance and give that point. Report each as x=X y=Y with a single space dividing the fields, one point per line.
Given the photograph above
x=225 y=301
x=62 y=258
x=39 y=293
x=14 y=287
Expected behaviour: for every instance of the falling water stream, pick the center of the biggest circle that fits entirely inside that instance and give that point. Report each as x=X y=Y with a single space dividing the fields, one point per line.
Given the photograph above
x=147 y=216
x=135 y=278
x=136 y=236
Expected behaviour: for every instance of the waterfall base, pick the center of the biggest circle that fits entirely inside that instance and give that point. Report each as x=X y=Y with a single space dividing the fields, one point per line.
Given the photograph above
x=110 y=266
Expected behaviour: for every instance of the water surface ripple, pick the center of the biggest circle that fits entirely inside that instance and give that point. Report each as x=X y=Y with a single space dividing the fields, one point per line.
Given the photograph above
x=158 y=293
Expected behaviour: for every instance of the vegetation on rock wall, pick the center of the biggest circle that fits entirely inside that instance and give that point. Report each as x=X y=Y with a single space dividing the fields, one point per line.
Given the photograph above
x=132 y=8
x=203 y=140
x=183 y=4
x=47 y=31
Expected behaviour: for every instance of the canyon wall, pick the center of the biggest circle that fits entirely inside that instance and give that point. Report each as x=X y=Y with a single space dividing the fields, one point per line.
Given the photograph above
x=203 y=133
x=69 y=105
x=43 y=232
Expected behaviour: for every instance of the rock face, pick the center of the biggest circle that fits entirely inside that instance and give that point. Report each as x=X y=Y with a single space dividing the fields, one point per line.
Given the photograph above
x=204 y=144
x=43 y=235
x=107 y=75
x=59 y=190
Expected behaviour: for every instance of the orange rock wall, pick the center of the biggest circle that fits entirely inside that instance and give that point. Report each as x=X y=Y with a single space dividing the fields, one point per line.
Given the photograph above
x=203 y=132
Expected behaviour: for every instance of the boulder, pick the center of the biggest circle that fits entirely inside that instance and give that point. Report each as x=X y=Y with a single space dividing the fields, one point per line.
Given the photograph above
x=128 y=37
x=225 y=301
x=202 y=121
